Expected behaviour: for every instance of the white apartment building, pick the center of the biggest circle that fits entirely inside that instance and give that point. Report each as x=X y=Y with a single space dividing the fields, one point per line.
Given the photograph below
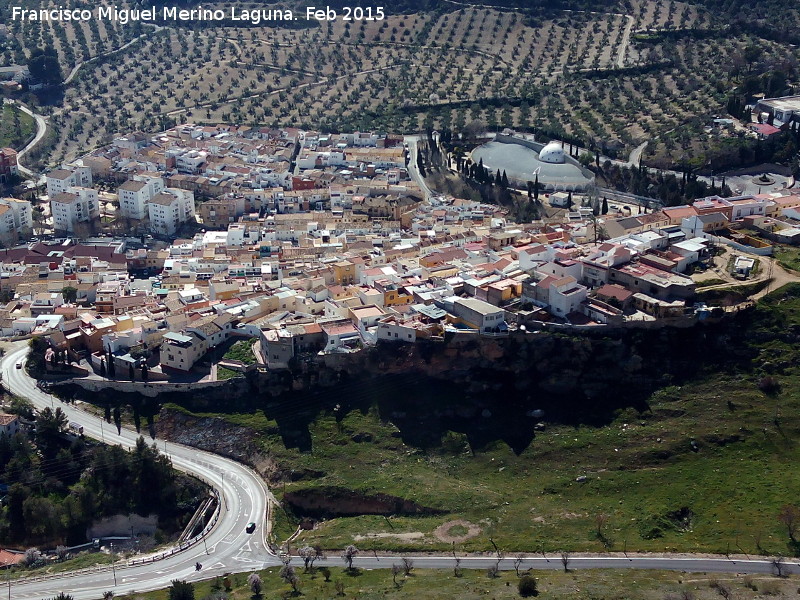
x=169 y=209
x=60 y=180
x=73 y=207
x=17 y=219
x=135 y=193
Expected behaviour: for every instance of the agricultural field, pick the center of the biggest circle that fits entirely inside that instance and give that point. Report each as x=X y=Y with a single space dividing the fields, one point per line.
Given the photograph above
x=597 y=77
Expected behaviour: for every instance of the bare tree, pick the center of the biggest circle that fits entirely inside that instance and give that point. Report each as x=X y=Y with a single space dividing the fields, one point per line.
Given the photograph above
x=309 y=555
x=757 y=537
x=518 y=562
x=61 y=552
x=32 y=555
x=109 y=595
x=565 y=560
x=348 y=555
x=722 y=589
x=339 y=588
x=286 y=572
x=778 y=566
x=600 y=521
x=396 y=570
x=254 y=582
x=294 y=581
x=408 y=565
x=289 y=575
x=492 y=571
x=457 y=568
x=789 y=517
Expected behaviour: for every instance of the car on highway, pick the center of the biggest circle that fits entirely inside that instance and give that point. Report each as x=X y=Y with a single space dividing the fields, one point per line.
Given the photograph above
x=19 y=365
x=251 y=527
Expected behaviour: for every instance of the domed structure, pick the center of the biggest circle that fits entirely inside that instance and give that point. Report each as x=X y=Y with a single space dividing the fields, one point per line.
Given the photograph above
x=553 y=153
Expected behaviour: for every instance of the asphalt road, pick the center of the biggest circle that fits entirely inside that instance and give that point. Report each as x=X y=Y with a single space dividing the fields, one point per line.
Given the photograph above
x=412 y=140
x=553 y=562
x=230 y=548
x=41 y=129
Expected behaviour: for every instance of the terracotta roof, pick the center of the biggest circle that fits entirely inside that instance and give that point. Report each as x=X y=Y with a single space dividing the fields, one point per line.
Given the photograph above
x=6 y=419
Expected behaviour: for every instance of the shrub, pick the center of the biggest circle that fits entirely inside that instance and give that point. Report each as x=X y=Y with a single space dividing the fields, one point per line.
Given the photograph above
x=769 y=385
x=527 y=586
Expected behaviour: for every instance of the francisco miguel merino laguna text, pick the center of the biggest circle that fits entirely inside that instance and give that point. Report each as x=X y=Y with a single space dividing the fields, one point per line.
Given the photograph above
x=253 y=16
x=166 y=13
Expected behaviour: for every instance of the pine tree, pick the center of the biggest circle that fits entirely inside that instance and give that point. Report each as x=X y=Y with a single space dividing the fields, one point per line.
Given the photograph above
x=604 y=210
x=504 y=181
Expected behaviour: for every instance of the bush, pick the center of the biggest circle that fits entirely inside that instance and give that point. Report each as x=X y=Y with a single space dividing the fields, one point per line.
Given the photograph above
x=769 y=385
x=527 y=586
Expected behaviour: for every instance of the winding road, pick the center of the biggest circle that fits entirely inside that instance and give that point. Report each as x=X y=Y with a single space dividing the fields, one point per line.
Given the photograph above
x=41 y=129
x=230 y=548
x=246 y=498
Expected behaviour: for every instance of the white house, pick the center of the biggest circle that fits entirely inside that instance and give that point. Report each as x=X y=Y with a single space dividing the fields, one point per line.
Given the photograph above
x=479 y=314
x=61 y=180
x=392 y=330
x=566 y=295
x=169 y=209
x=78 y=205
x=9 y=424
x=180 y=351
x=532 y=255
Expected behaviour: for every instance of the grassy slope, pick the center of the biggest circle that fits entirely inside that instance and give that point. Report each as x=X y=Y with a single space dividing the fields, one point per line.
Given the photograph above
x=243 y=351
x=430 y=585
x=9 y=135
x=788 y=257
x=639 y=470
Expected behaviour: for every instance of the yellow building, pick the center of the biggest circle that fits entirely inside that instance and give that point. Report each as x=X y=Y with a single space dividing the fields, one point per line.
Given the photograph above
x=344 y=272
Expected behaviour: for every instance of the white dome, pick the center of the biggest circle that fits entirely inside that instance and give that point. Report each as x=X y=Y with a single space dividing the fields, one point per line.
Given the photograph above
x=552 y=153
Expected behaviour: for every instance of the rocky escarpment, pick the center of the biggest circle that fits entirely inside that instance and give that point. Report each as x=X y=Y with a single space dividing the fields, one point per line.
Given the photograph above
x=329 y=502
x=486 y=388
x=207 y=433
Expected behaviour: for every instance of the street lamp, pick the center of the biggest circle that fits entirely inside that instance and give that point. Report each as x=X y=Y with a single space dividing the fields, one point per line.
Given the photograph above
x=113 y=566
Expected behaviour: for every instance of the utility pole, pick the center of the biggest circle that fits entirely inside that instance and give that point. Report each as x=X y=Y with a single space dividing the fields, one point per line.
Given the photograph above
x=113 y=566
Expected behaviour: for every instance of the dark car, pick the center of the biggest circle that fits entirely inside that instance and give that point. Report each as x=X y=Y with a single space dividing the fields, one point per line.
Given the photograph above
x=251 y=527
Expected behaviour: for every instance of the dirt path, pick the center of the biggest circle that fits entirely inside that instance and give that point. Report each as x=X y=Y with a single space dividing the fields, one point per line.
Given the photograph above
x=770 y=270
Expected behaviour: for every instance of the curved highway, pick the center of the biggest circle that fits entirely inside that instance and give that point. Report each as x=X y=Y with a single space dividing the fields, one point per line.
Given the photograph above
x=230 y=548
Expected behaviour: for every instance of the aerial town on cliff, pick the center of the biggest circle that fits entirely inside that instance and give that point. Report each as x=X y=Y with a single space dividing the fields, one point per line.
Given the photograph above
x=160 y=248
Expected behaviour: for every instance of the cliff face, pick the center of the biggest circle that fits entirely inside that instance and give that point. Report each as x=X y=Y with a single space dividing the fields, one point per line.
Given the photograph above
x=491 y=388
x=486 y=388
x=526 y=366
